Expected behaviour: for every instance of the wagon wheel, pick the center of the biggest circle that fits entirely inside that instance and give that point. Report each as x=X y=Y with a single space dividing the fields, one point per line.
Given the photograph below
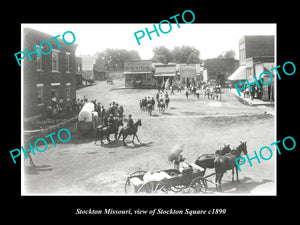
x=198 y=185
x=129 y=189
x=177 y=188
x=151 y=187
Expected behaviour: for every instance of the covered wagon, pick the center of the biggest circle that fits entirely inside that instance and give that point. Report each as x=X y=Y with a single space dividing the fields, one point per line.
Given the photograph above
x=87 y=119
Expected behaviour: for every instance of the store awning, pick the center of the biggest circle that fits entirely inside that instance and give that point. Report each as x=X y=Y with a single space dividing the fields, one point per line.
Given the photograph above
x=137 y=72
x=165 y=75
x=239 y=74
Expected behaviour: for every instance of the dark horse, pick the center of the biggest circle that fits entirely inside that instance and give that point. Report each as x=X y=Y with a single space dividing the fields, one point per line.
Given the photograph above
x=107 y=131
x=207 y=160
x=130 y=131
x=227 y=162
x=161 y=107
x=143 y=104
x=150 y=108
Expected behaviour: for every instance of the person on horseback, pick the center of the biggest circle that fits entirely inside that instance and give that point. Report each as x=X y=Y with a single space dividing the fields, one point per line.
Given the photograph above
x=130 y=121
x=149 y=100
x=166 y=95
x=121 y=111
x=157 y=96
x=110 y=121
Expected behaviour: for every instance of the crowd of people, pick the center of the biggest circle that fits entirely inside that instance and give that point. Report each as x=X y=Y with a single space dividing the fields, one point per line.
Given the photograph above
x=59 y=109
x=210 y=90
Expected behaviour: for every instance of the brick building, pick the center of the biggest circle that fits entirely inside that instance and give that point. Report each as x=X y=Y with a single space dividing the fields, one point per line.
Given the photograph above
x=255 y=46
x=48 y=75
x=78 y=71
x=256 y=55
x=218 y=70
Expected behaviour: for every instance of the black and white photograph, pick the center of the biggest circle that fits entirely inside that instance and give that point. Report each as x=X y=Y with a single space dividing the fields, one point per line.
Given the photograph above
x=147 y=111
x=109 y=111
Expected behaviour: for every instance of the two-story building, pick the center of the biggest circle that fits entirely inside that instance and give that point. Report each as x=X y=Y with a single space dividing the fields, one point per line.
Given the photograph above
x=256 y=55
x=139 y=74
x=51 y=76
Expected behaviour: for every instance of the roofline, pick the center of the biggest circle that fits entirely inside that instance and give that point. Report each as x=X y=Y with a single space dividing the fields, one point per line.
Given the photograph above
x=137 y=60
x=31 y=30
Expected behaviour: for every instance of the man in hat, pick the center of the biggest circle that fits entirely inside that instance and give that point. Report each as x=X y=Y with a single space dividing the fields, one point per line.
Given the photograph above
x=179 y=162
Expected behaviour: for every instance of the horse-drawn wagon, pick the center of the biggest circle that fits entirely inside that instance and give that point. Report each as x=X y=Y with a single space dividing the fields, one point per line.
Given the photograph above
x=187 y=177
x=166 y=181
x=87 y=119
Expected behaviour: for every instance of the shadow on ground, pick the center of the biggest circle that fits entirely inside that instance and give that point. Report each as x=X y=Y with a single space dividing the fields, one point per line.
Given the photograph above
x=37 y=169
x=246 y=186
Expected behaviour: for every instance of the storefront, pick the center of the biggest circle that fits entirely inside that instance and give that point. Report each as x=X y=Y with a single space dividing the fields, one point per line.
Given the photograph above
x=138 y=74
x=267 y=91
x=164 y=75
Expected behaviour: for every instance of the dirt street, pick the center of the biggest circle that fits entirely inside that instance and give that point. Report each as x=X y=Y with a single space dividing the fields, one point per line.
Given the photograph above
x=81 y=167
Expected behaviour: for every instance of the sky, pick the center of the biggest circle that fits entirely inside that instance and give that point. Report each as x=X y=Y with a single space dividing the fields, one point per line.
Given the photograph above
x=210 y=39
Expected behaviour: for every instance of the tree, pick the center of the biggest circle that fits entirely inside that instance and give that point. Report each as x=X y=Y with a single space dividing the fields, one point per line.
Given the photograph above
x=114 y=58
x=162 y=54
x=185 y=54
x=227 y=55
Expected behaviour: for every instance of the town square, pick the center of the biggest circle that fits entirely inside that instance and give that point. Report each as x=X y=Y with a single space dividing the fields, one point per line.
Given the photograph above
x=167 y=100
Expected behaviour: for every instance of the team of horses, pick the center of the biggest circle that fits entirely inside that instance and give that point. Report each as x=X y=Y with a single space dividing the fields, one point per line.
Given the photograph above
x=223 y=160
x=102 y=132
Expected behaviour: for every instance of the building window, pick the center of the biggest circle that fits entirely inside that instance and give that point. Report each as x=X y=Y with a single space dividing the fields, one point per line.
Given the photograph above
x=67 y=61
x=38 y=61
x=68 y=91
x=54 y=61
x=54 y=92
x=39 y=94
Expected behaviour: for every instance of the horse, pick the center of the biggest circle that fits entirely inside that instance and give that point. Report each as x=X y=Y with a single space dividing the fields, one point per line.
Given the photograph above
x=143 y=104
x=130 y=131
x=226 y=162
x=207 y=160
x=150 y=108
x=107 y=131
x=161 y=107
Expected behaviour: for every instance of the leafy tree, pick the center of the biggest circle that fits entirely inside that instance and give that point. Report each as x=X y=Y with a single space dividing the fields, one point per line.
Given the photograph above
x=227 y=55
x=185 y=54
x=114 y=58
x=162 y=54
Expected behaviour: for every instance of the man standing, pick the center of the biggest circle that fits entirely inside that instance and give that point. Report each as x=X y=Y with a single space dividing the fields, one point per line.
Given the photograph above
x=153 y=102
x=172 y=90
x=157 y=96
x=186 y=94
